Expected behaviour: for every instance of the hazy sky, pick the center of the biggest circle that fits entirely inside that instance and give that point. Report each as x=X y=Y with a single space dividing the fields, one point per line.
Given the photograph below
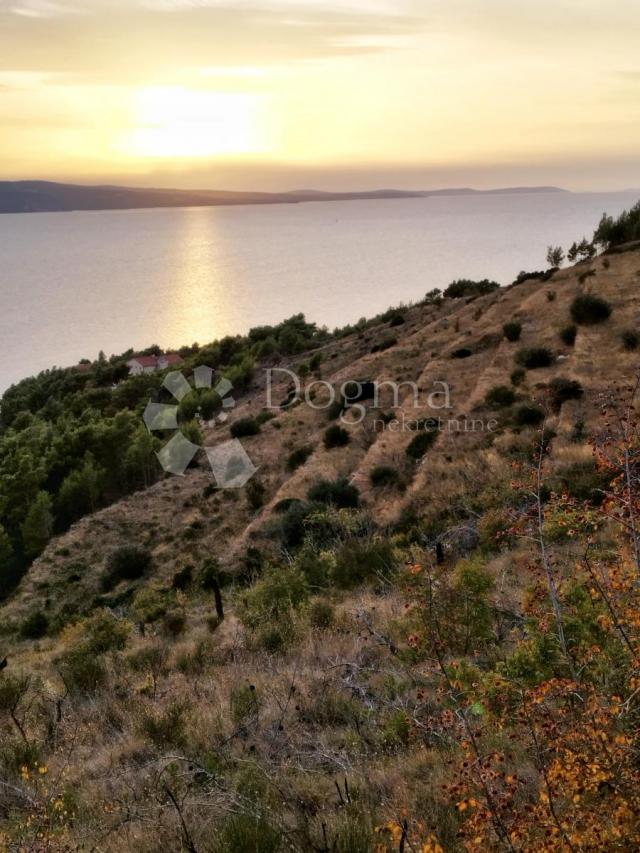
x=331 y=93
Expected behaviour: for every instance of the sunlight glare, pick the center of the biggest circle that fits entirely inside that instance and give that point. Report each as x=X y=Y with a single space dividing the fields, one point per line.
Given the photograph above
x=171 y=122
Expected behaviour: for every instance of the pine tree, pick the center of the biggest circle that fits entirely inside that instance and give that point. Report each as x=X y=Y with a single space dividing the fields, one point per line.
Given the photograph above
x=37 y=526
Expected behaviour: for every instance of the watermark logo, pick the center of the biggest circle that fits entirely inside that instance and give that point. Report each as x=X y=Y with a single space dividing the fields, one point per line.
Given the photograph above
x=230 y=464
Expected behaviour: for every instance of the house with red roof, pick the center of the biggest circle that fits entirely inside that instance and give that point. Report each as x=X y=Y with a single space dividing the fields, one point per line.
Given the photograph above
x=150 y=363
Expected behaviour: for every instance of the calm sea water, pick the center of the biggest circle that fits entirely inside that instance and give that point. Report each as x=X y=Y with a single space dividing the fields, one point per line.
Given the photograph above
x=72 y=284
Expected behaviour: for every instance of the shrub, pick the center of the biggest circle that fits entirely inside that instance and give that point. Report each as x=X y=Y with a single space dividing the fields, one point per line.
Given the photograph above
x=34 y=626
x=272 y=598
x=183 y=578
x=535 y=357
x=528 y=415
x=174 y=622
x=336 y=436
x=339 y=493
x=384 y=475
x=298 y=457
x=512 y=330
x=466 y=287
x=583 y=481
x=357 y=562
x=568 y=334
x=561 y=389
x=500 y=395
x=255 y=492
x=81 y=667
x=321 y=613
x=518 y=375
x=396 y=320
x=630 y=340
x=385 y=344
x=244 y=427
x=166 y=728
x=250 y=832
x=587 y=310
x=126 y=563
x=149 y=605
x=463 y=352
x=420 y=444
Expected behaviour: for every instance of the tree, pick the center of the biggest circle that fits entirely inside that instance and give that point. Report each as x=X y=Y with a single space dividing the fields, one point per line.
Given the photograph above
x=572 y=254
x=555 y=256
x=80 y=492
x=37 y=526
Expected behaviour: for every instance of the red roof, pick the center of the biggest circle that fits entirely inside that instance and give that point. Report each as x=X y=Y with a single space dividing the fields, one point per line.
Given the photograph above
x=146 y=360
x=152 y=360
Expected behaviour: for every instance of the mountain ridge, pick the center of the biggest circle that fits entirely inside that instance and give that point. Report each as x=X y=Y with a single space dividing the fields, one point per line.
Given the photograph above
x=33 y=196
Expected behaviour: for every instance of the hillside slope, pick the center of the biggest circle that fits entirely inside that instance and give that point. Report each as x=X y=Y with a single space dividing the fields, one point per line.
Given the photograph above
x=317 y=712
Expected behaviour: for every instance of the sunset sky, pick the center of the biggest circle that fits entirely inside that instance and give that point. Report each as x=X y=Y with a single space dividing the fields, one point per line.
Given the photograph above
x=281 y=94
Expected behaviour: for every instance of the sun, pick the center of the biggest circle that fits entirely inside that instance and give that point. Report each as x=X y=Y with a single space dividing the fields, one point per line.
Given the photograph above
x=173 y=122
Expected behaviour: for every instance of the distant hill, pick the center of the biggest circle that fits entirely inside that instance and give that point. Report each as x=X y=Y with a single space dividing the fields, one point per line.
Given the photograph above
x=47 y=196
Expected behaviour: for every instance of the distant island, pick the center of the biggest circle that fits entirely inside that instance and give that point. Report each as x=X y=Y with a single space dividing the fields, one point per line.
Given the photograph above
x=50 y=197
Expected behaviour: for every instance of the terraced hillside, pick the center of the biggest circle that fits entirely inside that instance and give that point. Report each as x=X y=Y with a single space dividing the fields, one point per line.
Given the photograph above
x=261 y=669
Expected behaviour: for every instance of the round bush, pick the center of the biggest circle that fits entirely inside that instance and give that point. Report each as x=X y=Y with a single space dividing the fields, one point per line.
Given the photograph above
x=512 y=330
x=562 y=389
x=587 y=310
x=34 y=626
x=340 y=493
x=336 y=436
x=630 y=340
x=528 y=415
x=568 y=334
x=384 y=475
x=500 y=395
x=127 y=563
x=245 y=427
x=518 y=375
x=535 y=357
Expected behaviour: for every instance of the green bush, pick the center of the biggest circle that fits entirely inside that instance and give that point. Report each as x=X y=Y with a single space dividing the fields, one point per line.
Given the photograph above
x=384 y=475
x=359 y=561
x=562 y=389
x=466 y=287
x=420 y=444
x=339 y=493
x=630 y=340
x=512 y=330
x=174 y=622
x=34 y=626
x=336 y=436
x=248 y=832
x=244 y=427
x=587 y=310
x=528 y=415
x=500 y=395
x=321 y=613
x=298 y=457
x=568 y=334
x=166 y=728
x=271 y=599
x=126 y=563
x=583 y=481
x=255 y=492
x=535 y=357
x=518 y=375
